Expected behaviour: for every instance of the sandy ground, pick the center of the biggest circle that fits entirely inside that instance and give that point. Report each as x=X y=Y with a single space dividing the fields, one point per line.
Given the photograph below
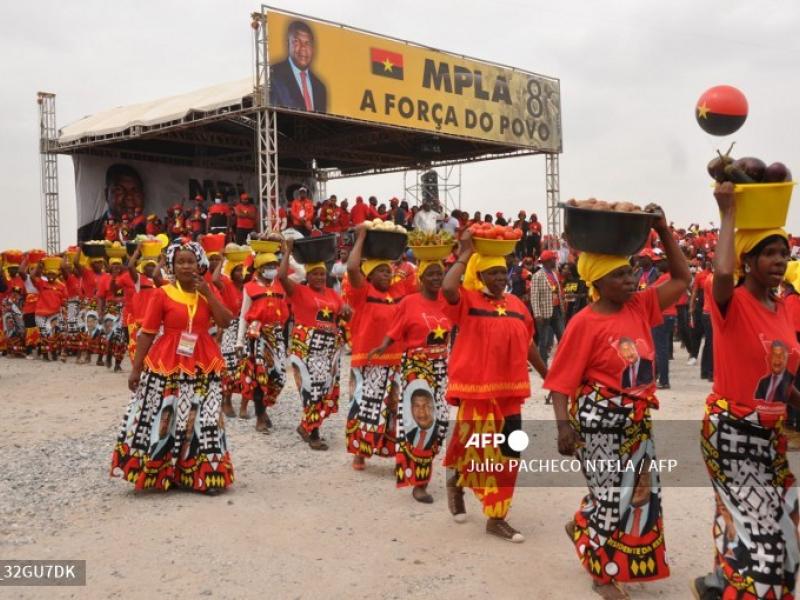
x=297 y=523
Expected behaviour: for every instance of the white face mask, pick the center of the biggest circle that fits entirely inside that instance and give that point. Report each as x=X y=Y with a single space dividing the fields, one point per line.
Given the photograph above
x=217 y=200
x=269 y=273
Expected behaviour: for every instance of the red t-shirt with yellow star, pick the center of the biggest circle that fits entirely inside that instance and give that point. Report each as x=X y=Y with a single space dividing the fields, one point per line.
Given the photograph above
x=315 y=309
x=420 y=322
x=374 y=314
x=490 y=356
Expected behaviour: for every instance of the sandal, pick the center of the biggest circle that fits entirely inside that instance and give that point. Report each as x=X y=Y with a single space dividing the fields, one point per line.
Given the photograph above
x=611 y=591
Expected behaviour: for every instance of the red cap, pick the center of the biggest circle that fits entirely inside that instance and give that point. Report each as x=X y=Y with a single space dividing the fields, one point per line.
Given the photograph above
x=243 y=196
x=359 y=199
x=394 y=202
x=175 y=207
x=498 y=214
x=213 y=242
x=198 y=198
x=547 y=255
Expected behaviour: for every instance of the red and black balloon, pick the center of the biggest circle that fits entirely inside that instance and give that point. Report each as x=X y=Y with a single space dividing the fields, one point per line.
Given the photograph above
x=721 y=110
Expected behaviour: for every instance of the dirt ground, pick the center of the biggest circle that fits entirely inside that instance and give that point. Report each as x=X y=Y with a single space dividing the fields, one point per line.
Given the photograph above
x=297 y=523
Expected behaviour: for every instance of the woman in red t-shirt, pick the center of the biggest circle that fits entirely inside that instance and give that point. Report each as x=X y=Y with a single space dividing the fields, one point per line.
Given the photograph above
x=488 y=380
x=756 y=356
x=371 y=426
x=263 y=318
x=315 y=346
x=228 y=278
x=46 y=279
x=173 y=432
x=602 y=385
x=422 y=331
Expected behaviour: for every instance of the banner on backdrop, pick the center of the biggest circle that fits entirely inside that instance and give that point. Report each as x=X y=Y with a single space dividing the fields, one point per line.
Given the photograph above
x=327 y=68
x=107 y=187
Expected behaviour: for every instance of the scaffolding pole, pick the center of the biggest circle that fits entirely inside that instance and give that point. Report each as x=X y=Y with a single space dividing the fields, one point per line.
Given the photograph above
x=553 y=194
x=266 y=128
x=48 y=134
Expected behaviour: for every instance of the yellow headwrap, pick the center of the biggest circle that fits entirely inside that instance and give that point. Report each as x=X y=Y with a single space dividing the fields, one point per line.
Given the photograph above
x=230 y=265
x=478 y=264
x=744 y=240
x=114 y=261
x=370 y=264
x=424 y=264
x=143 y=263
x=315 y=265
x=793 y=274
x=264 y=259
x=592 y=267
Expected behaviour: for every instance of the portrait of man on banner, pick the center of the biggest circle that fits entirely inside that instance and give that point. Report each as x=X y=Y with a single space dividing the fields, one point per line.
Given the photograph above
x=292 y=83
x=124 y=195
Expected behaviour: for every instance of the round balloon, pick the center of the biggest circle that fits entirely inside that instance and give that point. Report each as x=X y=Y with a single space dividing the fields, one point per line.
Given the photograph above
x=721 y=110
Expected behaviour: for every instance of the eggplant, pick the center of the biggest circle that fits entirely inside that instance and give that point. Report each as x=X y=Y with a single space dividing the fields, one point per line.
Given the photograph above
x=753 y=167
x=777 y=172
x=716 y=167
x=737 y=175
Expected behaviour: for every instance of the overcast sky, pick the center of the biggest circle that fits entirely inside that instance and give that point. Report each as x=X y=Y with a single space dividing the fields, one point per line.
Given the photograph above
x=630 y=73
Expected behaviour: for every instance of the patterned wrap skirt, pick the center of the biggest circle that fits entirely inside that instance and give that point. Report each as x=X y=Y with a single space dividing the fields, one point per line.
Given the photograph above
x=265 y=368
x=371 y=426
x=423 y=385
x=755 y=525
x=234 y=365
x=315 y=355
x=173 y=434
x=619 y=531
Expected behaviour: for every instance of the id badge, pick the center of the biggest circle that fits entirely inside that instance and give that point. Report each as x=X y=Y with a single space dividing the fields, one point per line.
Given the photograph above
x=186 y=344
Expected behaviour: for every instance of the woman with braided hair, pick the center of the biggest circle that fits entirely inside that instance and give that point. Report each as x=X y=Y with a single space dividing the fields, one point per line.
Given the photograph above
x=173 y=432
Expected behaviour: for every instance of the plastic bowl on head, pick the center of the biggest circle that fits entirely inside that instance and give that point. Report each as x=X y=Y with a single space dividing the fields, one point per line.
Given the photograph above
x=762 y=205
x=93 y=250
x=606 y=231
x=315 y=249
x=489 y=247
x=262 y=246
x=431 y=252
x=388 y=245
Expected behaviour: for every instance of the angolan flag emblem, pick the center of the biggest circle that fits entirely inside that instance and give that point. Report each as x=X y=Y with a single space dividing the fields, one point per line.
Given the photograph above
x=386 y=63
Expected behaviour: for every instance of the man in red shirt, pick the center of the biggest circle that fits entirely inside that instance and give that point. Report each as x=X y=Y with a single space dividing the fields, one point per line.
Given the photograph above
x=302 y=212
x=246 y=218
x=360 y=212
x=219 y=215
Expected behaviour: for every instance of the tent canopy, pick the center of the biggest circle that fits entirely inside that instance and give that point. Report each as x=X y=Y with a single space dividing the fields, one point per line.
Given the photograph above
x=215 y=126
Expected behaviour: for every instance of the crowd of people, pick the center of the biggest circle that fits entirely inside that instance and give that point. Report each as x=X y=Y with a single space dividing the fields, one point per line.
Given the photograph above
x=203 y=317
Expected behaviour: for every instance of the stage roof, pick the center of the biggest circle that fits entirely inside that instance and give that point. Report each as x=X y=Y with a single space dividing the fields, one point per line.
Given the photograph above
x=215 y=127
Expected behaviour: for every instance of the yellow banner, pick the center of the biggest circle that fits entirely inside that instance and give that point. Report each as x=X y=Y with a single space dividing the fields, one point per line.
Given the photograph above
x=330 y=69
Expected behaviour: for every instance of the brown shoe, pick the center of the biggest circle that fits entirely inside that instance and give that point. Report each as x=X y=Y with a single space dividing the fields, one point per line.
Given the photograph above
x=611 y=591
x=420 y=494
x=455 y=500
x=304 y=435
x=317 y=444
x=503 y=530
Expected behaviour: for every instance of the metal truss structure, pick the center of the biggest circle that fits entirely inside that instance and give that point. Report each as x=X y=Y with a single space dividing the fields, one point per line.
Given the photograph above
x=51 y=222
x=449 y=187
x=552 y=184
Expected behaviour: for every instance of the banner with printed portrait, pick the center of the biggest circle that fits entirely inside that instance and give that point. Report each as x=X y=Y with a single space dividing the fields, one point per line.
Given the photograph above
x=326 y=68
